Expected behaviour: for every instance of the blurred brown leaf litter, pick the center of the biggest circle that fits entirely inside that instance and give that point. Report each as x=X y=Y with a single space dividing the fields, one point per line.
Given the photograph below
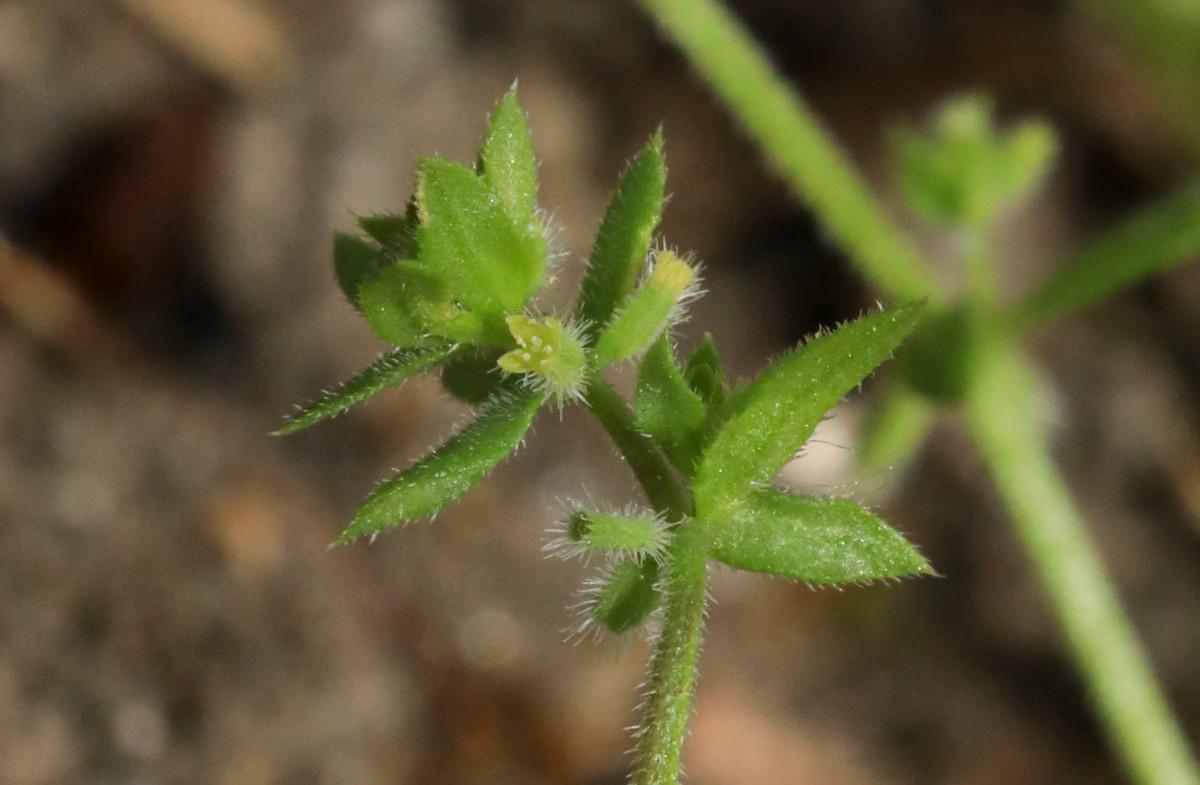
x=170 y=175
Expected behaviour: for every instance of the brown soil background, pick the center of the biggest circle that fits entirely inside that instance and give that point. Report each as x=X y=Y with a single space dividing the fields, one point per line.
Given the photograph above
x=170 y=173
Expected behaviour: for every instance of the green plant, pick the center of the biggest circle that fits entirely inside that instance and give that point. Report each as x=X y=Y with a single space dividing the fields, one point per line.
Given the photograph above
x=967 y=351
x=448 y=284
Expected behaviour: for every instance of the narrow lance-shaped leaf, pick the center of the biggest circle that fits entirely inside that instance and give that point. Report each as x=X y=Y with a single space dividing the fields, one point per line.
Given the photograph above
x=468 y=239
x=664 y=406
x=775 y=415
x=813 y=540
x=389 y=370
x=624 y=236
x=354 y=260
x=507 y=162
x=1164 y=235
x=450 y=471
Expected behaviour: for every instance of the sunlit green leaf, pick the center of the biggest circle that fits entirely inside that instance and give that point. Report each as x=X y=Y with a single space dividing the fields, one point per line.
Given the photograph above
x=389 y=370
x=813 y=540
x=774 y=416
x=624 y=236
x=468 y=239
x=507 y=162
x=450 y=471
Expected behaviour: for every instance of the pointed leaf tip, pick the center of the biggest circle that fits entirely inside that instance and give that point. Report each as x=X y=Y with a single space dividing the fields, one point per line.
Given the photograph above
x=389 y=370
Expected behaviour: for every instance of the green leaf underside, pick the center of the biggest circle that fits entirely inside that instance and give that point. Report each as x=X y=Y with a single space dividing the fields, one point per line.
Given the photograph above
x=664 y=406
x=628 y=597
x=704 y=375
x=354 y=261
x=451 y=470
x=507 y=161
x=1164 y=235
x=813 y=540
x=389 y=370
x=467 y=238
x=772 y=417
x=623 y=239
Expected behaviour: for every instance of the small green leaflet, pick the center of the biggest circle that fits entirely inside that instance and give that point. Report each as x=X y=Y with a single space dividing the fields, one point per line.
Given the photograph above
x=467 y=238
x=451 y=470
x=624 y=236
x=813 y=540
x=507 y=163
x=664 y=406
x=774 y=415
x=389 y=370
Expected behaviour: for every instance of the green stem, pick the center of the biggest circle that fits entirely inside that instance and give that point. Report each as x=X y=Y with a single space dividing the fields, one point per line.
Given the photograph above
x=670 y=688
x=819 y=173
x=1100 y=636
x=640 y=451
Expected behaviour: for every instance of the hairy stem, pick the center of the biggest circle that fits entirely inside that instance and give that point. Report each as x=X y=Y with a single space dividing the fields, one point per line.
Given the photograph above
x=817 y=170
x=644 y=457
x=670 y=687
x=1100 y=636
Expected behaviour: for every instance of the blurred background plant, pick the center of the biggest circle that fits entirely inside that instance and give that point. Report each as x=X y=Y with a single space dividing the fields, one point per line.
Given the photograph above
x=169 y=175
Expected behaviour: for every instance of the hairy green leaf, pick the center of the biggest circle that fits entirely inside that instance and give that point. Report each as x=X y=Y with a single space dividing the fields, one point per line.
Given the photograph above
x=774 y=416
x=354 y=260
x=1162 y=236
x=813 y=540
x=704 y=374
x=664 y=406
x=628 y=596
x=624 y=236
x=450 y=471
x=507 y=162
x=389 y=370
x=468 y=239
